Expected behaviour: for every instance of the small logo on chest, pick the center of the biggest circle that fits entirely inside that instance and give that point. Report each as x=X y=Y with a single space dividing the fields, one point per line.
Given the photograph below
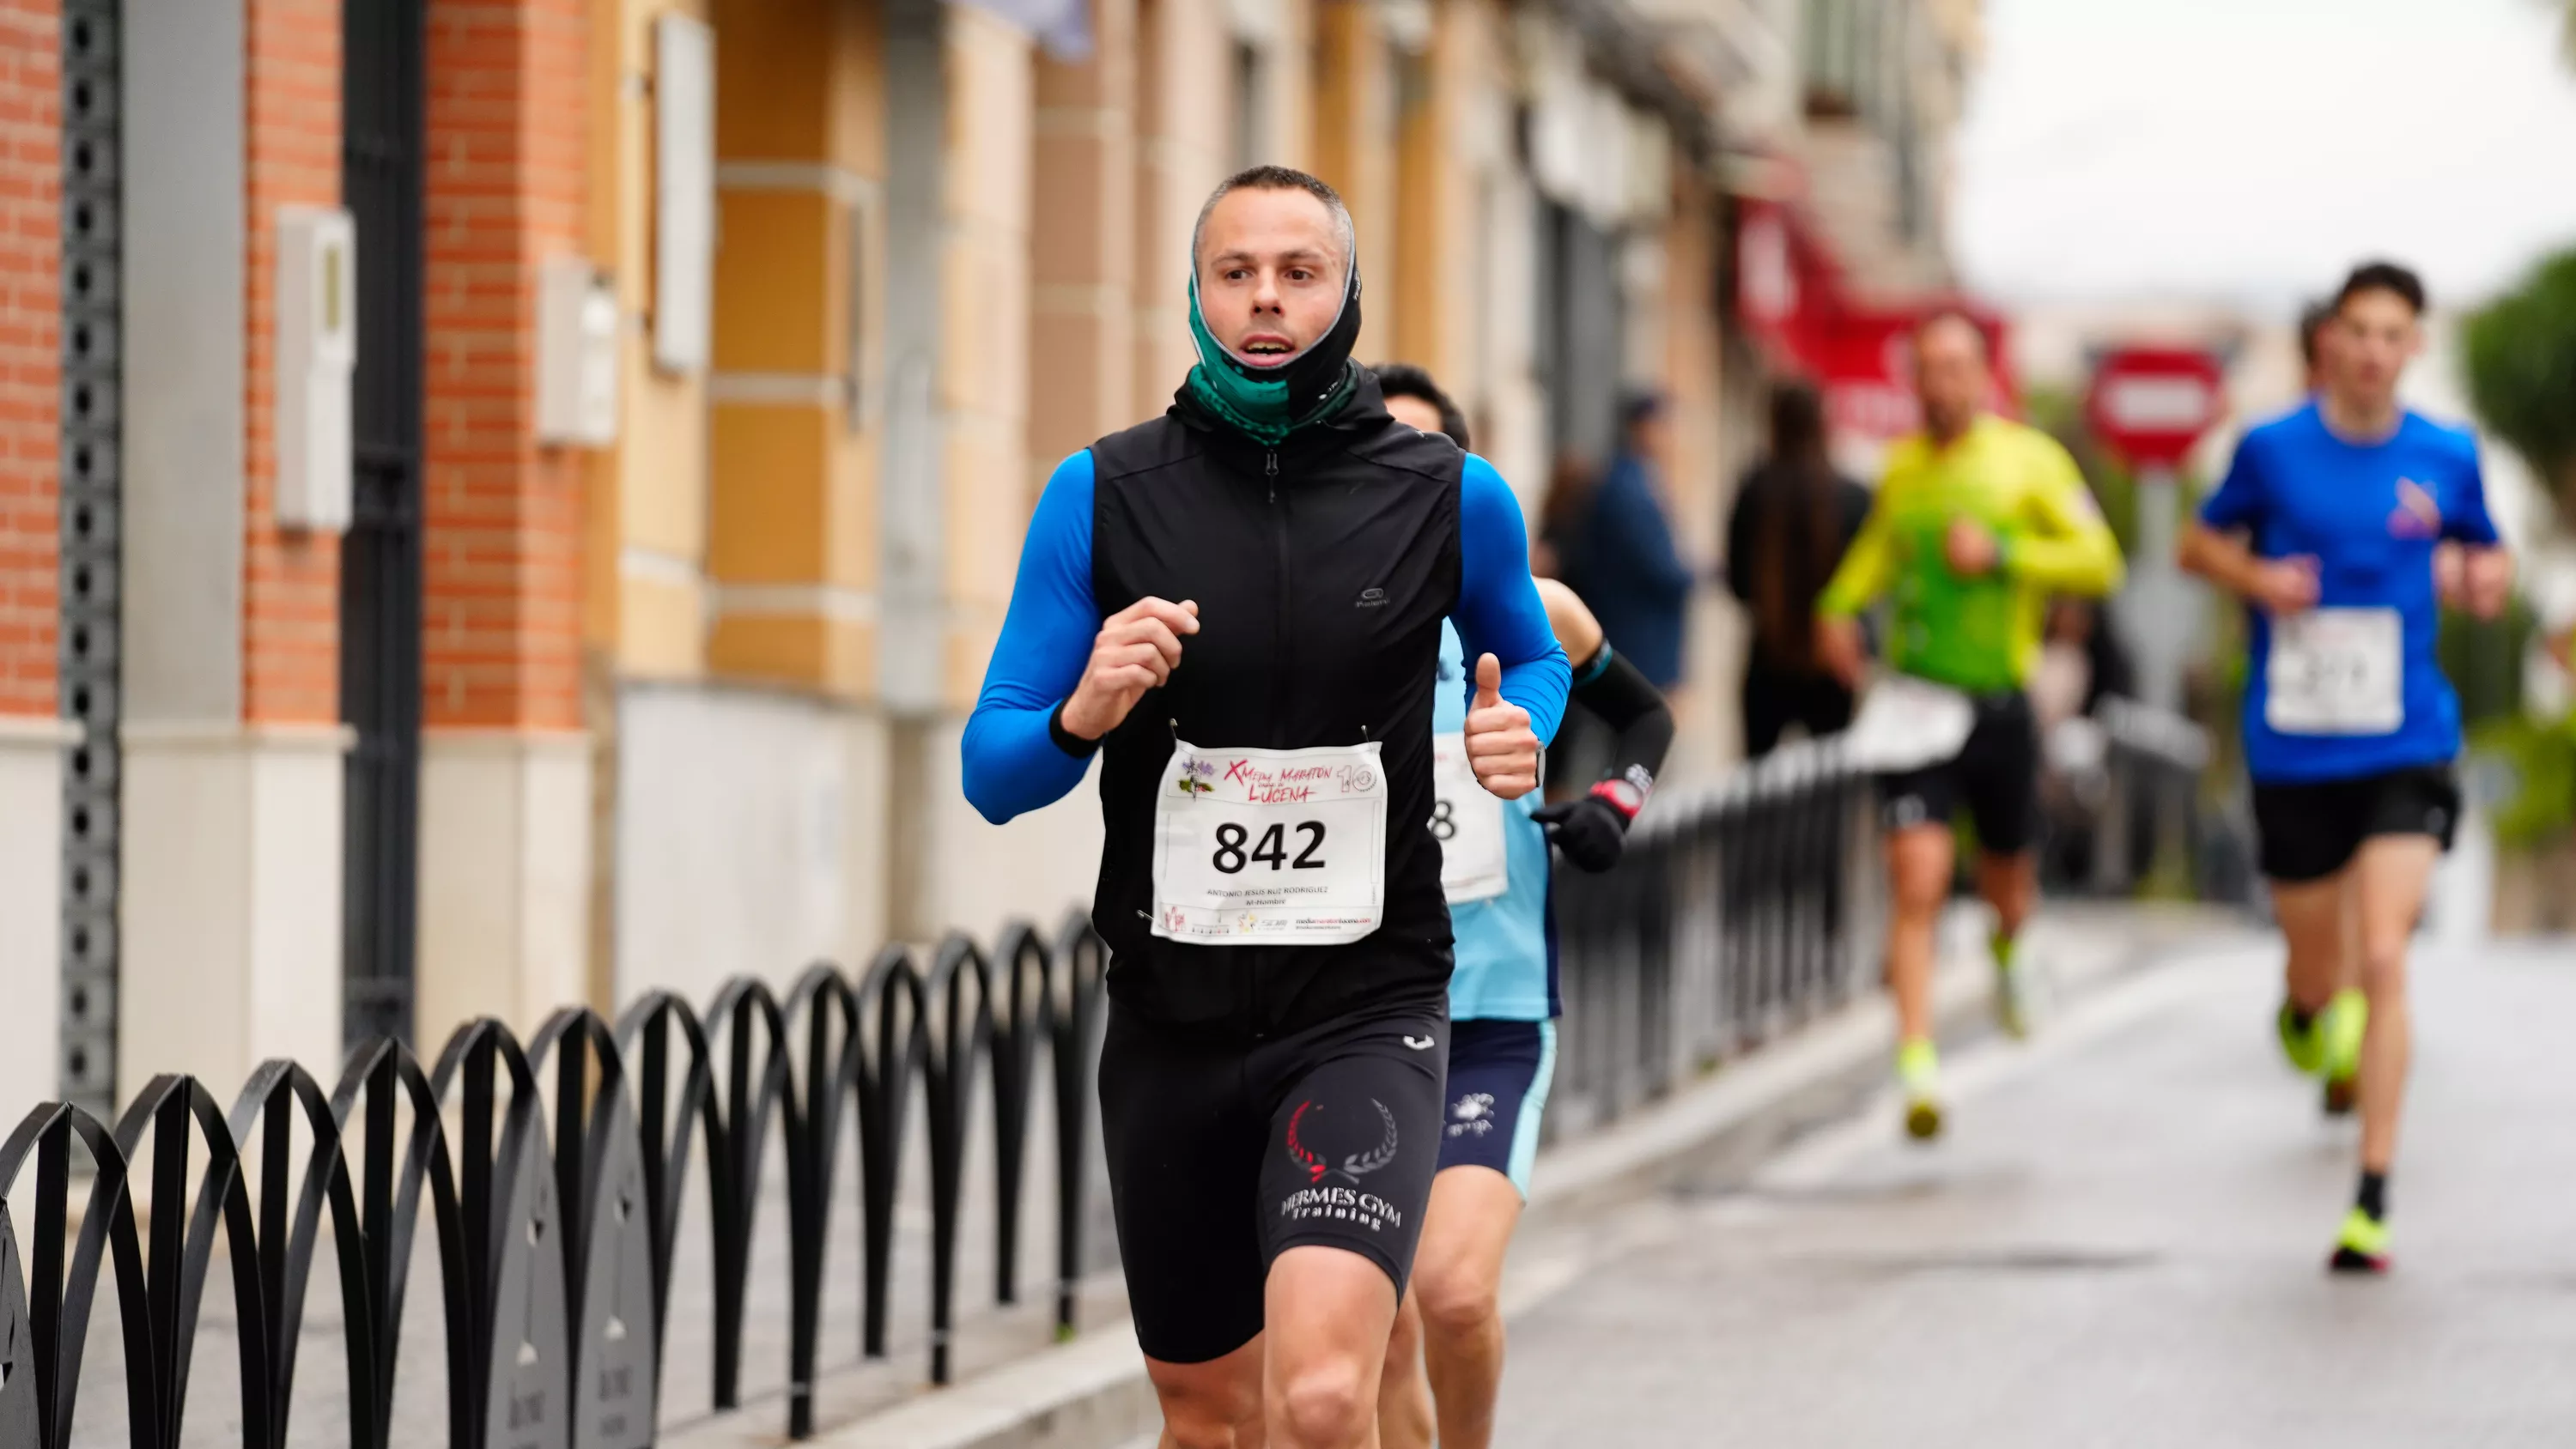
x=1372 y=598
x=2417 y=515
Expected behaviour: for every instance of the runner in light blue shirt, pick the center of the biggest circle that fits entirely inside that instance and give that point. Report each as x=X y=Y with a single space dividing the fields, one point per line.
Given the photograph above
x=1503 y=998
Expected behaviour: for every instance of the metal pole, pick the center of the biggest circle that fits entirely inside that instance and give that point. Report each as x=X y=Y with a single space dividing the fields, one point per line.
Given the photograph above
x=2160 y=613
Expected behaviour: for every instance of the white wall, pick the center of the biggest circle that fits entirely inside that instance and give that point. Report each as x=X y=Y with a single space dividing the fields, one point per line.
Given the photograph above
x=504 y=921
x=31 y=853
x=1035 y=868
x=747 y=824
x=230 y=909
x=752 y=837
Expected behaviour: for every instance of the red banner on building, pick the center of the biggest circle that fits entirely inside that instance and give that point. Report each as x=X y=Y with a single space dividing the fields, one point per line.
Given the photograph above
x=1791 y=294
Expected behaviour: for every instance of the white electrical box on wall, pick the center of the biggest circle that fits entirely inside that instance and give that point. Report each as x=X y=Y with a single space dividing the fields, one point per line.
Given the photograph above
x=317 y=356
x=576 y=354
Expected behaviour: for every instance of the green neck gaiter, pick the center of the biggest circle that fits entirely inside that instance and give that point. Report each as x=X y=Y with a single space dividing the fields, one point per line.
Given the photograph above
x=1267 y=404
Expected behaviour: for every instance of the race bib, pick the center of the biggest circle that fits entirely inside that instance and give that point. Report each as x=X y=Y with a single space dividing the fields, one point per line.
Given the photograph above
x=1468 y=822
x=1270 y=847
x=2336 y=672
x=1905 y=723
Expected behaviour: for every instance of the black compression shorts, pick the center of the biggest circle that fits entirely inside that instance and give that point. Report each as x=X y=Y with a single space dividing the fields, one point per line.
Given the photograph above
x=1995 y=775
x=2311 y=830
x=1224 y=1154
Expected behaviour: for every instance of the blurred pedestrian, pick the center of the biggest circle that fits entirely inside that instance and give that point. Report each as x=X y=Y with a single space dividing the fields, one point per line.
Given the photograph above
x=2063 y=676
x=1564 y=520
x=2313 y=336
x=1793 y=518
x=1629 y=570
x=2081 y=663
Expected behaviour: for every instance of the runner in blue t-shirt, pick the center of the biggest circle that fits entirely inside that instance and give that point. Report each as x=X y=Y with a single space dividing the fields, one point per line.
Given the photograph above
x=1502 y=997
x=2327 y=525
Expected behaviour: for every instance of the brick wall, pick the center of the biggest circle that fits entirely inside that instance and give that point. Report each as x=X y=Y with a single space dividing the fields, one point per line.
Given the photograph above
x=291 y=583
x=508 y=107
x=30 y=331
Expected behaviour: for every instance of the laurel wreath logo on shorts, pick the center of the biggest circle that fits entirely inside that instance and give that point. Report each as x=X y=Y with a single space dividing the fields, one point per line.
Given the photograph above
x=1355 y=1166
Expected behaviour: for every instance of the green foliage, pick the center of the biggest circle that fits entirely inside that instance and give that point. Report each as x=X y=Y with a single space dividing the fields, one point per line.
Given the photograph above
x=2536 y=763
x=2483 y=660
x=2520 y=352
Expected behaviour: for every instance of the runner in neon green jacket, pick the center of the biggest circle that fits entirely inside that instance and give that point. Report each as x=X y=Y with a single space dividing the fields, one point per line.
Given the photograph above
x=1980 y=635
x=1977 y=522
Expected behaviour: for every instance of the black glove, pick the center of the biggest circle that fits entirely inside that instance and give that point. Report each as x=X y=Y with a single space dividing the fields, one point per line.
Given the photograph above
x=1591 y=831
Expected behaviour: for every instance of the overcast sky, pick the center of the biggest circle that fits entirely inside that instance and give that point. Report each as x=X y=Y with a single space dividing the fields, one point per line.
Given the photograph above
x=2250 y=150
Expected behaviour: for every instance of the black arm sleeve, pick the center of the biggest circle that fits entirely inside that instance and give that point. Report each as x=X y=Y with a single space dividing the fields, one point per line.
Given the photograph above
x=1613 y=689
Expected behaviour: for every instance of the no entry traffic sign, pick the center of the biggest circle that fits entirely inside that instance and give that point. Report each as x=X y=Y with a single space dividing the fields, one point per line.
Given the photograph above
x=2150 y=404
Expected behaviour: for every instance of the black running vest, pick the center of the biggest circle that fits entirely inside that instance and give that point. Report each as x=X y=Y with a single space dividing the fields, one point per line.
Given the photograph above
x=1322 y=570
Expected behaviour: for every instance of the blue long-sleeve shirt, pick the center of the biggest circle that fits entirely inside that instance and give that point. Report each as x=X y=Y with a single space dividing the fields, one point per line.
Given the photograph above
x=1012 y=762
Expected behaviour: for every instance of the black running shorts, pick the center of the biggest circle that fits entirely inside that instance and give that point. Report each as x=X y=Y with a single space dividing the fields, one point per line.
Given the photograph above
x=1995 y=775
x=1223 y=1154
x=2312 y=829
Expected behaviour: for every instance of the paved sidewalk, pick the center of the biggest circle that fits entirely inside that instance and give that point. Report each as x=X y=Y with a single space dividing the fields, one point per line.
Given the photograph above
x=2121 y=1244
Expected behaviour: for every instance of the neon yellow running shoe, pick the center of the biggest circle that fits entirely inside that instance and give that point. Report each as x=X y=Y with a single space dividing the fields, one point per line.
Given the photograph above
x=2362 y=1246
x=2340 y=1028
x=2012 y=987
x=1918 y=1072
x=2304 y=1046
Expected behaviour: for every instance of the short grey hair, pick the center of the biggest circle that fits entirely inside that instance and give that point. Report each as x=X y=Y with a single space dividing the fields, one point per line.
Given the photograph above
x=1282 y=178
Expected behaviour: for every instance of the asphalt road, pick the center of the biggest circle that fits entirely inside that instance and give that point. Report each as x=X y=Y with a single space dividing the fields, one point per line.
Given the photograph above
x=2120 y=1243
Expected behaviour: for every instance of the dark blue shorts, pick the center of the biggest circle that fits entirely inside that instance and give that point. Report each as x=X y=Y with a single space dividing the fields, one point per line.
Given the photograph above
x=1498 y=1078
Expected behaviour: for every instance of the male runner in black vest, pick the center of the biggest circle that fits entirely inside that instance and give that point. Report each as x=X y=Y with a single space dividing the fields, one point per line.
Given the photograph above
x=1238 y=607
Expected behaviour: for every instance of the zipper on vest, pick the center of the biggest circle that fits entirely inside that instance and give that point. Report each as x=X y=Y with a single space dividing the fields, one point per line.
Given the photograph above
x=1279 y=620
x=1278 y=671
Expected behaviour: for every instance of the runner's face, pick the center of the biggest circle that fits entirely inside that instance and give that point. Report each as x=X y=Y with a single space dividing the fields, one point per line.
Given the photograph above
x=1270 y=274
x=2373 y=336
x=1414 y=413
x=1950 y=375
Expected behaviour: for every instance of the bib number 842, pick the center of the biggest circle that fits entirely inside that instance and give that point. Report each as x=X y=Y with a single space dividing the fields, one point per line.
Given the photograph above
x=1231 y=856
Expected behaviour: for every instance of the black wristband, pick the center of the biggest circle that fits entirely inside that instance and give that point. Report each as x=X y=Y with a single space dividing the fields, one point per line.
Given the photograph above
x=1065 y=739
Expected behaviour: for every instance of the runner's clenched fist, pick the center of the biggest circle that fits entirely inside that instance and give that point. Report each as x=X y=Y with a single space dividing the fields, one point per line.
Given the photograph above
x=1136 y=649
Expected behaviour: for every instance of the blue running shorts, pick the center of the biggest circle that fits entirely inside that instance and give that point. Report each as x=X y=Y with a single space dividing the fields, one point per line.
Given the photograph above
x=1498 y=1078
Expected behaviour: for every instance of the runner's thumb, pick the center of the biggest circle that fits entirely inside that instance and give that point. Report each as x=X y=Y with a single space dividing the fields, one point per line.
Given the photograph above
x=1489 y=682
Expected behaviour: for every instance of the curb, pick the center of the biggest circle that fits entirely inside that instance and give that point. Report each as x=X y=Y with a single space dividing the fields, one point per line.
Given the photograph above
x=1092 y=1393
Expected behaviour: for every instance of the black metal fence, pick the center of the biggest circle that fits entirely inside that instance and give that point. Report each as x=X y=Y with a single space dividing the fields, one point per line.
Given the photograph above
x=1741 y=910
x=553 y=1172
x=553 y=1175
x=1752 y=905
